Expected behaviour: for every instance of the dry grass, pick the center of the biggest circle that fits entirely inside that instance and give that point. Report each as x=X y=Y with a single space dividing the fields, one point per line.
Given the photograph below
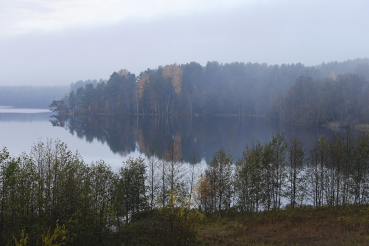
x=322 y=226
x=362 y=127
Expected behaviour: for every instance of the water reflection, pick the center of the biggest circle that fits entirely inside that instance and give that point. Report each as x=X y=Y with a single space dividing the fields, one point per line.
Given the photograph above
x=20 y=131
x=128 y=134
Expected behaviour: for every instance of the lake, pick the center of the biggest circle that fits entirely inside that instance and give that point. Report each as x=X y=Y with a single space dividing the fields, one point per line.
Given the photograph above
x=114 y=139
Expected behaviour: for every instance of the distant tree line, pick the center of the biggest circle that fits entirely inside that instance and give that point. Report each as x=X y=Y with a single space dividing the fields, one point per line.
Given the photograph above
x=31 y=96
x=343 y=99
x=291 y=93
x=52 y=197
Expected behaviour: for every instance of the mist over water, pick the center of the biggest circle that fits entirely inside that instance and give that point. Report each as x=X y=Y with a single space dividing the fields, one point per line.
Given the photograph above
x=114 y=139
x=12 y=110
x=21 y=131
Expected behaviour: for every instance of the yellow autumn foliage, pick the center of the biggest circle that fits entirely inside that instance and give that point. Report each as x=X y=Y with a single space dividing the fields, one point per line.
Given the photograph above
x=174 y=153
x=202 y=189
x=174 y=72
x=123 y=72
x=144 y=78
x=23 y=239
x=58 y=237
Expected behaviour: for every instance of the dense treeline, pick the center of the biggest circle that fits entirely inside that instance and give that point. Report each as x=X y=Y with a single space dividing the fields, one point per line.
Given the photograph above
x=268 y=176
x=53 y=196
x=231 y=89
x=31 y=96
x=343 y=99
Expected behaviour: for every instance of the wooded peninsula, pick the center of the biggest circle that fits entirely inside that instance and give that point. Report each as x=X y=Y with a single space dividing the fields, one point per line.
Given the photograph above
x=335 y=92
x=278 y=192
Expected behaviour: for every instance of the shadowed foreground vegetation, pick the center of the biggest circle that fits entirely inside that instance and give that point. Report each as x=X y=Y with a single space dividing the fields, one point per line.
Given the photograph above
x=277 y=193
x=344 y=225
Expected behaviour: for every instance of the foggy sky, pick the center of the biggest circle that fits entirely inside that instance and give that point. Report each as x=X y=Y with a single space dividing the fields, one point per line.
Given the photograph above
x=43 y=44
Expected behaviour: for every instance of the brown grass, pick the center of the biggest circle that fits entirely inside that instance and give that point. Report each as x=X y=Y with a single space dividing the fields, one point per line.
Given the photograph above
x=321 y=226
x=362 y=127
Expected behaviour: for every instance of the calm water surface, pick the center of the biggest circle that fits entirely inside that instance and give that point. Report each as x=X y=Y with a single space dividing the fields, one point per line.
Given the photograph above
x=20 y=129
x=114 y=139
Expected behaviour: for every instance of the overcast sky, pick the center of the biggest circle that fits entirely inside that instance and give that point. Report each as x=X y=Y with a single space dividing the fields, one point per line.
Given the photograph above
x=57 y=42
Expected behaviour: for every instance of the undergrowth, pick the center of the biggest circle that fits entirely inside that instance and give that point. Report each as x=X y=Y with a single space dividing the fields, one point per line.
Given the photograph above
x=346 y=225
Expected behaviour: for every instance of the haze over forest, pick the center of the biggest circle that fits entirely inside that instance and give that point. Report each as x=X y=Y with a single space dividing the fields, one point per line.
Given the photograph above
x=59 y=42
x=179 y=63
x=294 y=94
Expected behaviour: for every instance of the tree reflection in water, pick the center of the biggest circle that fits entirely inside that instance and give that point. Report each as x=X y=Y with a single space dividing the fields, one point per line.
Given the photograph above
x=205 y=135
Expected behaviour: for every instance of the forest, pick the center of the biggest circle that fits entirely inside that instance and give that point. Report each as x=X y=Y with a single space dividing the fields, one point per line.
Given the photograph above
x=335 y=92
x=52 y=197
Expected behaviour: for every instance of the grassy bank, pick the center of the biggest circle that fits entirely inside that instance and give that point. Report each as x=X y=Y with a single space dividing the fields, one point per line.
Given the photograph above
x=348 y=225
x=345 y=225
x=362 y=127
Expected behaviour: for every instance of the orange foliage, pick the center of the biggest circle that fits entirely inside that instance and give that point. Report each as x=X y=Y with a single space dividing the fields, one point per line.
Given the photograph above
x=174 y=153
x=123 y=72
x=107 y=106
x=141 y=142
x=174 y=72
x=144 y=78
x=202 y=190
